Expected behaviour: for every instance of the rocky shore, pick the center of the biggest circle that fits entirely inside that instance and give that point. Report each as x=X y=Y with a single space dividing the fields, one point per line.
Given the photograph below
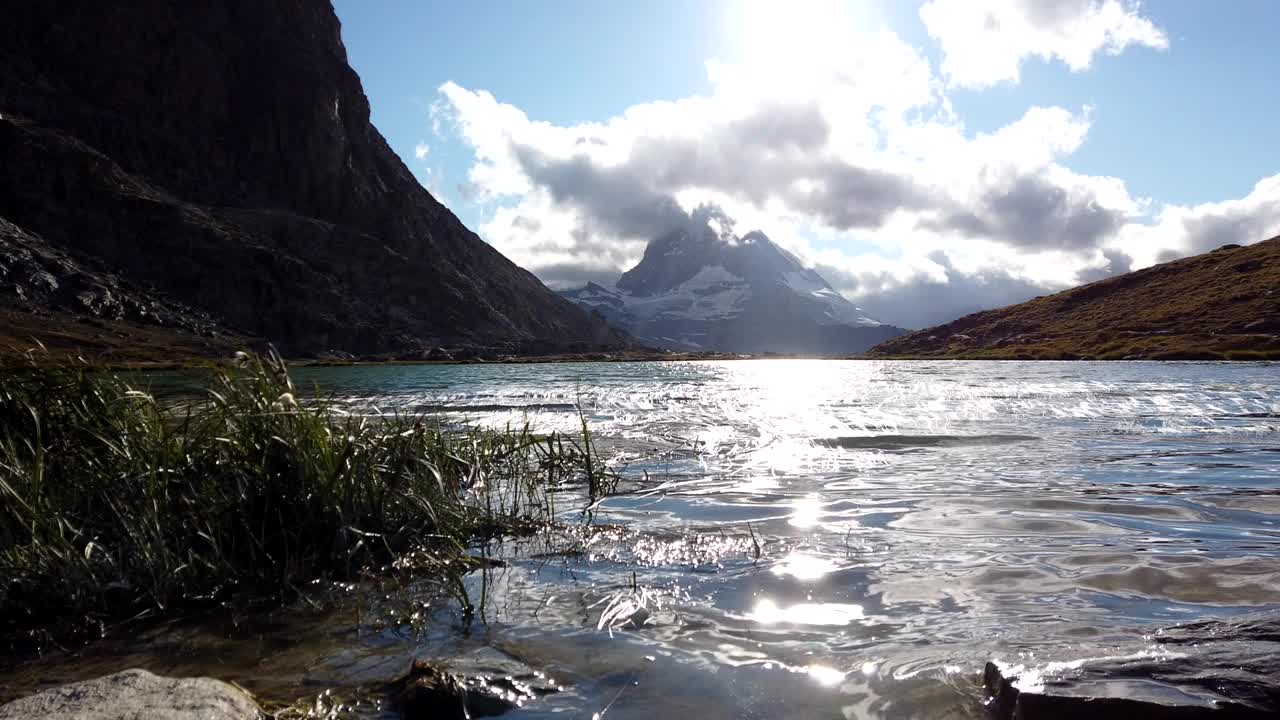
x=137 y=694
x=483 y=683
x=1216 y=670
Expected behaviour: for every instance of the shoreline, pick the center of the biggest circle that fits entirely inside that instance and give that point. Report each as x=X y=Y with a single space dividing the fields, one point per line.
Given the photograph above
x=208 y=362
x=125 y=345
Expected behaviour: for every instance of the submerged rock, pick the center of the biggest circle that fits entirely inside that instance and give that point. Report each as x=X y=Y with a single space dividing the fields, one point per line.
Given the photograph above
x=1219 y=670
x=490 y=683
x=430 y=691
x=136 y=695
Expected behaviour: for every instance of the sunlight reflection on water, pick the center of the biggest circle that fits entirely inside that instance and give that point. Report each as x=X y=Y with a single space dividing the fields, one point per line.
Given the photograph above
x=806 y=512
x=769 y=612
x=923 y=510
x=804 y=567
x=816 y=538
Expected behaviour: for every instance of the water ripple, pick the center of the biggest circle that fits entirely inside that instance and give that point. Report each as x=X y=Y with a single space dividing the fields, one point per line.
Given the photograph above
x=822 y=538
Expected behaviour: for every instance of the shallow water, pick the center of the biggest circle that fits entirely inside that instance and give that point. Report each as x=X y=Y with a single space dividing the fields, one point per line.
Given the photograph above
x=820 y=538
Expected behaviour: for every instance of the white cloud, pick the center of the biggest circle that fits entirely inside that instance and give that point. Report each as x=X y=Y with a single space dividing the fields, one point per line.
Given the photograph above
x=1179 y=231
x=984 y=42
x=855 y=161
x=929 y=290
x=420 y=151
x=561 y=247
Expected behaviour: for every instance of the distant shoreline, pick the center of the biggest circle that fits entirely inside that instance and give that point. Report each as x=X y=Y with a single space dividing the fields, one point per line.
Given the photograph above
x=118 y=344
x=197 y=363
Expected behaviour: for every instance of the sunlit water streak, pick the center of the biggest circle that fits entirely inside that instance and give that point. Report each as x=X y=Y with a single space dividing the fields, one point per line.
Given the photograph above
x=826 y=538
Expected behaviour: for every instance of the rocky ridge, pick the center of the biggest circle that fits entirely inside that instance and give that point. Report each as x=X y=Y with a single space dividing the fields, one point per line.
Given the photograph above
x=1223 y=304
x=219 y=162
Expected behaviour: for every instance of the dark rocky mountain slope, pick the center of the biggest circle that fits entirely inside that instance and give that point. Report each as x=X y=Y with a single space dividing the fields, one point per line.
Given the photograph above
x=703 y=288
x=211 y=167
x=1223 y=304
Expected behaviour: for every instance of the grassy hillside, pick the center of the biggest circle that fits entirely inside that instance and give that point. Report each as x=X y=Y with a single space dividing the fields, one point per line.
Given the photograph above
x=1224 y=304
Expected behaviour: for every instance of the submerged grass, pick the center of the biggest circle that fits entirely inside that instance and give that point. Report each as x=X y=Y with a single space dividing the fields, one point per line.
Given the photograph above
x=114 y=505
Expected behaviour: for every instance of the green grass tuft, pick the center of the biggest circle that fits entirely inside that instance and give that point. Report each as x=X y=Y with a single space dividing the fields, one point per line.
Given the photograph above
x=114 y=504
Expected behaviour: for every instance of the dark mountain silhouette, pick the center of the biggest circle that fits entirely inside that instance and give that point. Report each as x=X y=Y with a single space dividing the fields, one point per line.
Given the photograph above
x=211 y=168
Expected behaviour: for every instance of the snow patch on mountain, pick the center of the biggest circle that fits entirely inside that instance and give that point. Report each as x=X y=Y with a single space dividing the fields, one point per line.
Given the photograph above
x=836 y=308
x=702 y=287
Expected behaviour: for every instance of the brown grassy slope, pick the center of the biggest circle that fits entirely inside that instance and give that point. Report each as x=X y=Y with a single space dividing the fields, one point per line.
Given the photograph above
x=1224 y=304
x=107 y=341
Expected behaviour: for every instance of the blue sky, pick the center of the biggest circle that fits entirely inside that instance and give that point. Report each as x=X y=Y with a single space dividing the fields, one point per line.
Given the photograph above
x=1143 y=135
x=563 y=62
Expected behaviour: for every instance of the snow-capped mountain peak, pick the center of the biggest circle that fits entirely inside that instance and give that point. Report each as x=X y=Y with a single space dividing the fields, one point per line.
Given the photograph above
x=701 y=287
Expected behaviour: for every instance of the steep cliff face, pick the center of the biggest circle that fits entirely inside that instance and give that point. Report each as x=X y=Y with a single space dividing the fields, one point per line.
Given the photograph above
x=221 y=155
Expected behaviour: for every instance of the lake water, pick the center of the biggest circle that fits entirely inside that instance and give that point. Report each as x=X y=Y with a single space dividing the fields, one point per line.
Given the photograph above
x=832 y=538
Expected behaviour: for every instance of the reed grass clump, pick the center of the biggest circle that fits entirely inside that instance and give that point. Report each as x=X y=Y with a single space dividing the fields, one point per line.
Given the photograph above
x=115 y=504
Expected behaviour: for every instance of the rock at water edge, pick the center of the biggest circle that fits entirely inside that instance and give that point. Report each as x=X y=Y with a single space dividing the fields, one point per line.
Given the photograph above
x=136 y=695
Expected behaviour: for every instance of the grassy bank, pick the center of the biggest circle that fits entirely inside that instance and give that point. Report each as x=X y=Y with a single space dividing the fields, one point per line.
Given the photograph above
x=114 y=505
x=1049 y=352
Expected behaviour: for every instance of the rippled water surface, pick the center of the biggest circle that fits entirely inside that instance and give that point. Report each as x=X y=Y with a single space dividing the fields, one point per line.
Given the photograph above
x=845 y=539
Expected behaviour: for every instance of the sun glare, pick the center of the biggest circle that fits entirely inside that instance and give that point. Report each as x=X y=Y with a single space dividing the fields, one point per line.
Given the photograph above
x=790 y=36
x=804 y=567
x=826 y=675
x=768 y=612
x=806 y=512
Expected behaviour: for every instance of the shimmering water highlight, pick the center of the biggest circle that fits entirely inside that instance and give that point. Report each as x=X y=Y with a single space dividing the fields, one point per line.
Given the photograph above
x=832 y=538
